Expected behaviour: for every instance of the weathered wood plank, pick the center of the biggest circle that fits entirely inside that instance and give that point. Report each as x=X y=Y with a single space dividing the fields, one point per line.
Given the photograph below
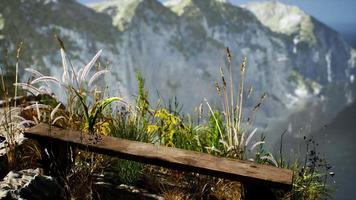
x=173 y=158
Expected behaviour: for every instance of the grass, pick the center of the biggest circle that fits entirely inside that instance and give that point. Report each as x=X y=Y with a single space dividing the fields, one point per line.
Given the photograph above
x=312 y=174
x=227 y=131
x=10 y=119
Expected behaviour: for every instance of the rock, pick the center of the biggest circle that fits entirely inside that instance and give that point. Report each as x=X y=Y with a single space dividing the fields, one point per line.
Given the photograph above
x=4 y=164
x=3 y=159
x=30 y=184
x=108 y=191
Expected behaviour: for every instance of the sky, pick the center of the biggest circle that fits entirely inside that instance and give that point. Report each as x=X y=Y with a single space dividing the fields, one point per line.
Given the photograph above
x=338 y=14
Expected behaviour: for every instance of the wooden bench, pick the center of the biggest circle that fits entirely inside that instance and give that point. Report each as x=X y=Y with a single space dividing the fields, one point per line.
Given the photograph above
x=173 y=158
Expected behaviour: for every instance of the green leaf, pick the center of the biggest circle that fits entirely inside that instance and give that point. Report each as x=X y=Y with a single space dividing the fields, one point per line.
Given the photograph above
x=83 y=102
x=100 y=106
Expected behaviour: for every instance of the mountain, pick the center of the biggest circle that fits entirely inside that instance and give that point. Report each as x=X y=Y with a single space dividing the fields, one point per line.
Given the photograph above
x=179 y=47
x=337 y=143
x=316 y=40
x=37 y=22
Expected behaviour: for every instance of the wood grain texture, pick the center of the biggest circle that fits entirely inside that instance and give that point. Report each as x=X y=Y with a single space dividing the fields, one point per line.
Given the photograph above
x=173 y=158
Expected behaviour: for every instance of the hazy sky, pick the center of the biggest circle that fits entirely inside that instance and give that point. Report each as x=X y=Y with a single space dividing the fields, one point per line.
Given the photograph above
x=338 y=14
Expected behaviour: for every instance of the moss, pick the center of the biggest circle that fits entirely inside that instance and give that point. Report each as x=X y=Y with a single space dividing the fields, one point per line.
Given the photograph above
x=304 y=83
x=298 y=79
x=307 y=31
x=316 y=87
x=276 y=16
x=181 y=7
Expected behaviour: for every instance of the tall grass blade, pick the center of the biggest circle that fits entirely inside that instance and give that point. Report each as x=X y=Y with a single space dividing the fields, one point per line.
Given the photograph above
x=88 y=67
x=250 y=136
x=96 y=76
x=55 y=110
x=35 y=91
x=45 y=79
x=256 y=144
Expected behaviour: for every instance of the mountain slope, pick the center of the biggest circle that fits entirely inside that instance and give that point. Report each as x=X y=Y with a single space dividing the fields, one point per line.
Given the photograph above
x=336 y=143
x=285 y=19
x=179 y=48
x=309 y=40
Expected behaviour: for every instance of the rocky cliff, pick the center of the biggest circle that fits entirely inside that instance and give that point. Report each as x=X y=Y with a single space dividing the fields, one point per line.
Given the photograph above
x=180 y=45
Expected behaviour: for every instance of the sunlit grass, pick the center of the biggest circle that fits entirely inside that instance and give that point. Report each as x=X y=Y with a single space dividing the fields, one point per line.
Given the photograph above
x=225 y=131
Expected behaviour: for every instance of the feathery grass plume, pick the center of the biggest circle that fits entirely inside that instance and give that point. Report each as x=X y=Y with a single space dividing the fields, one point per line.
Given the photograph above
x=229 y=60
x=54 y=111
x=226 y=106
x=38 y=112
x=17 y=68
x=241 y=90
x=218 y=88
x=45 y=89
x=57 y=119
x=232 y=132
x=65 y=75
x=35 y=91
x=79 y=73
x=250 y=90
x=9 y=123
x=23 y=122
x=37 y=106
x=258 y=105
x=228 y=54
x=270 y=159
x=92 y=113
x=256 y=144
x=46 y=79
x=35 y=72
x=200 y=111
x=222 y=77
x=96 y=76
x=17 y=117
x=250 y=137
x=3 y=85
x=69 y=79
x=88 y=67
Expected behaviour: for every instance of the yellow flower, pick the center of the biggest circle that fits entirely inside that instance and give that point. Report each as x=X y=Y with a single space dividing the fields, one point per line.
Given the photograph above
x=152 y=129
x=103 y=128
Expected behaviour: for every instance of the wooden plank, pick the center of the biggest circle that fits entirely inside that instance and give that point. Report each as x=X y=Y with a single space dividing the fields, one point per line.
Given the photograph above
x=173 y=158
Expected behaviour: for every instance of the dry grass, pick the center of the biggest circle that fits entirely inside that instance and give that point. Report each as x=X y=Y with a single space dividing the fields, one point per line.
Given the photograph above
x=174 y=194
x=236 y=129
x=228 y=190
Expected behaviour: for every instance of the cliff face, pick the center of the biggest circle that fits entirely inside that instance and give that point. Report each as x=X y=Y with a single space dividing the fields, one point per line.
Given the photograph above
x=179 y=47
